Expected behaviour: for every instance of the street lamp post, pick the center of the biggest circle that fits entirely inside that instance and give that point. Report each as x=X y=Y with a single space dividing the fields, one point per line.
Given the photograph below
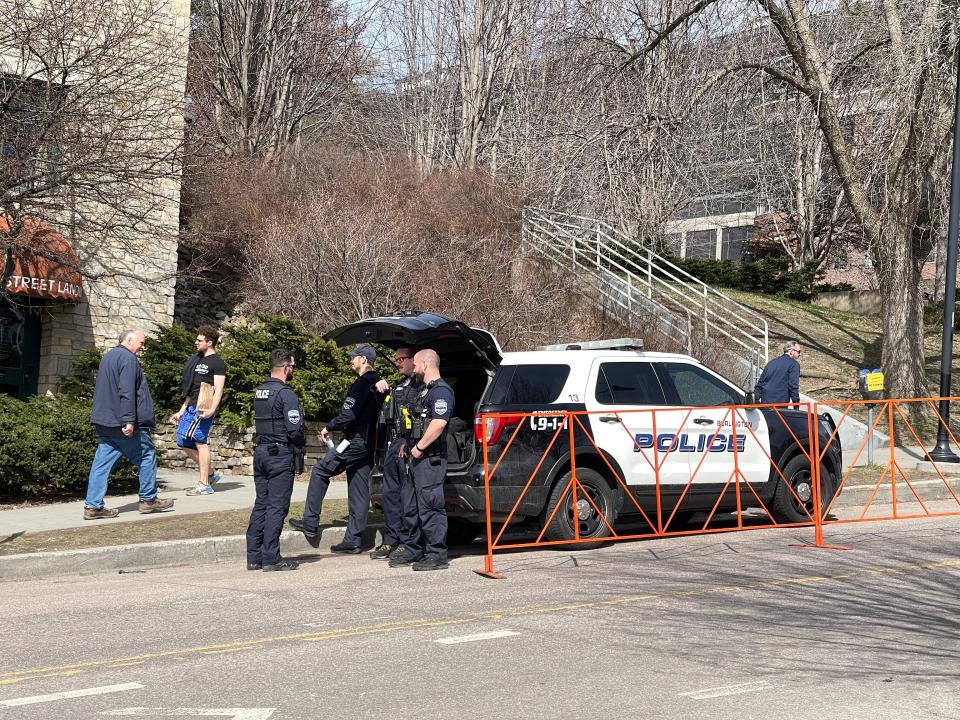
x=942 y=452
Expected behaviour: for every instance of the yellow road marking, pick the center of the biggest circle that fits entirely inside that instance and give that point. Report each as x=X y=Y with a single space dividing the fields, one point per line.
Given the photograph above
x=39 y=676
x=493 y=615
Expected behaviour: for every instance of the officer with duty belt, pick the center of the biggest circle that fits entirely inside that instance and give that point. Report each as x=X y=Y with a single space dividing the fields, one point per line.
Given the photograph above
x=424 y=509
x=357 y=419
x=278 y=455
x=399 y=425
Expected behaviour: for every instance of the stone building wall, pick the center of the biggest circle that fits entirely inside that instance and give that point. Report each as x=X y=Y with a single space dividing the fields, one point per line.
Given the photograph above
x=139 y=265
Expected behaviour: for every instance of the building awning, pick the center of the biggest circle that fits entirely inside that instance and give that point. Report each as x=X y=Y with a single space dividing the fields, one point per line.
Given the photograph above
x=44 y=264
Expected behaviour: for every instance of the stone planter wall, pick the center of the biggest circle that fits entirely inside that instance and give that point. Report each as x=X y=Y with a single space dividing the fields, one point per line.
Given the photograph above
x=232 y=452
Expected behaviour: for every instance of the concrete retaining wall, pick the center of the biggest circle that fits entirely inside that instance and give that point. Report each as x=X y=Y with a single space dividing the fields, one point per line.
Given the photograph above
x=232 y=452
x=861 y=302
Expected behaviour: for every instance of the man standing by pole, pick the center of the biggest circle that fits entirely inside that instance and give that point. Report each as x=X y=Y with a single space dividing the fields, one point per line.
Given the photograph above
x=780 y=380
x=399 y=427
x=204 y=378
x=357 y=420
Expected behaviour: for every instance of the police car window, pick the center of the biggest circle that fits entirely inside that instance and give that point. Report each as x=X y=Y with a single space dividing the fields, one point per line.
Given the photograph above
x=698 y=388
x=628 y=383
x=528 y=384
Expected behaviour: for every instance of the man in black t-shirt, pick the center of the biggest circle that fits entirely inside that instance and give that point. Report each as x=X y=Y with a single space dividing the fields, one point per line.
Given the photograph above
x=204 y=377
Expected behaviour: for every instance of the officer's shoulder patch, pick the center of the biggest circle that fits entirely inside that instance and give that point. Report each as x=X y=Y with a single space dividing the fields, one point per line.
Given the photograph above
x=349 y=403
x=293 y=416
x=440 y=407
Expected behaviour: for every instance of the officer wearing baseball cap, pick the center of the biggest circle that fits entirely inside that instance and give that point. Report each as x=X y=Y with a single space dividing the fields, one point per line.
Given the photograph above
x=357 y=420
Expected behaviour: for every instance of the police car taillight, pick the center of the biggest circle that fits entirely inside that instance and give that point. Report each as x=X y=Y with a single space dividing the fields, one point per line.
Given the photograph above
x=493 y=427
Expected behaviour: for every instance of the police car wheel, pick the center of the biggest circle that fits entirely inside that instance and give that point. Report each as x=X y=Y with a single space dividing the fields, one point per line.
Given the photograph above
x=797 y=506
x=589 y=522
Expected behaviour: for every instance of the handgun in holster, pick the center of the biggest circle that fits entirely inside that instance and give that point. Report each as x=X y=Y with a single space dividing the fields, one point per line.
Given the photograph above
x=299 y=460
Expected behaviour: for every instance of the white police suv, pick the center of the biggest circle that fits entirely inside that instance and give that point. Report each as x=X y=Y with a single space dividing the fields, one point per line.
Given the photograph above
x=619 y=383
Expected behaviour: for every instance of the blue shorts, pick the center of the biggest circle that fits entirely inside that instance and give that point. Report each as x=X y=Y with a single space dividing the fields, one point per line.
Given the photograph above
x=193 y=429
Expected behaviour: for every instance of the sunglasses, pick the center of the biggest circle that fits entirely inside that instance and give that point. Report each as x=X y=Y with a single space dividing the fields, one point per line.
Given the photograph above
x=401 y=358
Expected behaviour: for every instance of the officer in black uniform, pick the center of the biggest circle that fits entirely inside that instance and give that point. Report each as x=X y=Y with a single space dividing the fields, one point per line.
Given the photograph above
x=357 y=420
x=399 y=426
x=424 y=509
x=278 y=455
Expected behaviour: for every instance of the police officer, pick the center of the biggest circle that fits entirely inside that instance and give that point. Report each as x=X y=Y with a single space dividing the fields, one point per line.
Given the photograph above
x=277 y=456
x=357 y=419
x=423 y=502
x=399 y=421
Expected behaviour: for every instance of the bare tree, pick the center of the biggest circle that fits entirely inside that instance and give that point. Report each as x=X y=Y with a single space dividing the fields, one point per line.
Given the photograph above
x=90 y=128
x=894 y=192
x=448 y=68
x=268 y=75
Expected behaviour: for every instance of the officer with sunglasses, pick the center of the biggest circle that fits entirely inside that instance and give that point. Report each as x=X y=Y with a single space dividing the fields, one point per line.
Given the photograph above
x=397 y=412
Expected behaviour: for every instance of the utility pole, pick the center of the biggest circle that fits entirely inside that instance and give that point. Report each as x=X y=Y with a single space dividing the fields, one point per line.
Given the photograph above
x=942 y=451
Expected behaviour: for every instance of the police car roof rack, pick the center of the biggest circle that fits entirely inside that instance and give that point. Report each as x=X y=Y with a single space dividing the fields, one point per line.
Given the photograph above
x=614 y=344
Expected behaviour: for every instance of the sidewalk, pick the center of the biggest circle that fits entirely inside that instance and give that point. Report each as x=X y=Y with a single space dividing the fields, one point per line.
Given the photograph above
x=232 y=492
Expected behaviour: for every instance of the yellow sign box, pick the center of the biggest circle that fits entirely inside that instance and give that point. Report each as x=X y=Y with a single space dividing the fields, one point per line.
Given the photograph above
x=874 y=381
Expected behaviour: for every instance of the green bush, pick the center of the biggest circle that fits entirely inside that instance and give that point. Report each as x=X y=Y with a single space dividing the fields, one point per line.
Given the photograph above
x=769 y=276
x=83 y=375
x=163 y=359
x=321 y=379
x=47 y=446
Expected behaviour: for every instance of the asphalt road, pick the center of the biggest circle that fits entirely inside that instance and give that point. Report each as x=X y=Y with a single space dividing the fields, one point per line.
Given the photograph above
x=732 y=626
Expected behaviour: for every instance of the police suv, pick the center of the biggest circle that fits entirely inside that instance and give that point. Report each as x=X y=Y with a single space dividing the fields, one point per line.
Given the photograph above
x=692 y=431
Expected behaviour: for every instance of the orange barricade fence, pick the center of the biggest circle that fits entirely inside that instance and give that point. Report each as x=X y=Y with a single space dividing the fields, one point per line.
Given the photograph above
x=888 y=475
x=567 y=477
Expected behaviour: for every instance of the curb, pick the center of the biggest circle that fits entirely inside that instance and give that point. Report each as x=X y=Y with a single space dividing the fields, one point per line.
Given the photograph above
x=168 y=553
x=928 y=490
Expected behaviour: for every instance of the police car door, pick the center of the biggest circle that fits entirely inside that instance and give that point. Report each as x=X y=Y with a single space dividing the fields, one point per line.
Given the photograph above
x=619 y=385
x=709 y=429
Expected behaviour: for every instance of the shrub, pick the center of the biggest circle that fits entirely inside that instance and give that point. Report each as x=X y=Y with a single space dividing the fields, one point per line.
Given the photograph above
x=47 y=446
x=163 y=359
x=321 y=379
x=769 y=276
x=83 y=375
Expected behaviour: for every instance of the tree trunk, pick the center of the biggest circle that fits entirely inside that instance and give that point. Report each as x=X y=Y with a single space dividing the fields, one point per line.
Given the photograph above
x=903 y=353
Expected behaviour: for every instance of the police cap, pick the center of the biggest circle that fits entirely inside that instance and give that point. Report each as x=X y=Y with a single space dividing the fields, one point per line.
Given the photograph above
x=364 y=350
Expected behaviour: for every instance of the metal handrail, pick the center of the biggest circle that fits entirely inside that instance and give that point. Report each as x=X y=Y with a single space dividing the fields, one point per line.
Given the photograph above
x=651 y=273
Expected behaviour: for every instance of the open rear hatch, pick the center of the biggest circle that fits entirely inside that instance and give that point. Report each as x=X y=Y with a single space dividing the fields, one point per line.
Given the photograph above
x=469 y=357
x=452 y=339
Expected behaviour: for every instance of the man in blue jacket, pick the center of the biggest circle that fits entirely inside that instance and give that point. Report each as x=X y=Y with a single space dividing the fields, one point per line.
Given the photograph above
x=780 y=380
x=124 y=418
